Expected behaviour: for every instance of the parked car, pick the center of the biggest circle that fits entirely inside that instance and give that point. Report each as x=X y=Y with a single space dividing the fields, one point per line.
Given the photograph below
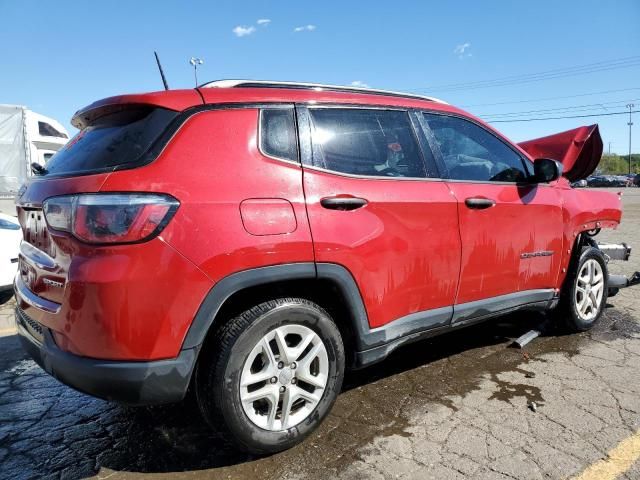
x=251 y=240
x=580 y=183
x=609 y=181
x=10 y=236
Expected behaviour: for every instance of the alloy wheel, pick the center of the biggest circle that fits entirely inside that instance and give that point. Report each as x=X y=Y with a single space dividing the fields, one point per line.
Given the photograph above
x=284 y=377
x=589 y=290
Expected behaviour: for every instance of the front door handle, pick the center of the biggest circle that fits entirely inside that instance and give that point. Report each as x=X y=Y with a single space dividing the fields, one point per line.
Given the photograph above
x=479 y=203
x=343 y=203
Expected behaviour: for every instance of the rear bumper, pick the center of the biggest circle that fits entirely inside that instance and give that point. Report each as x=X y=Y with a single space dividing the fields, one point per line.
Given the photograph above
x=135 y=383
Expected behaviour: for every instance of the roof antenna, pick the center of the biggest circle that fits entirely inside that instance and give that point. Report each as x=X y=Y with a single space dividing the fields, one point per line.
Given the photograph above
x=195 y=62
x=164 y=80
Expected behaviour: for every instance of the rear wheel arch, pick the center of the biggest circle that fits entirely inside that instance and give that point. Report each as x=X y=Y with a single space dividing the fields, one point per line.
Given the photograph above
x=329 y=285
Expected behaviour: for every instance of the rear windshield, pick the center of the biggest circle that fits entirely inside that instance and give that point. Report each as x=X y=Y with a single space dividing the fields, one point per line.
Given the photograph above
x=114 y=140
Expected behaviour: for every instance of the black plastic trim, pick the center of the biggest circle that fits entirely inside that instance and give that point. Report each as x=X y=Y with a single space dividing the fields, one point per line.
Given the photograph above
x=372 y=344
x=236 y=282
x=134 y=383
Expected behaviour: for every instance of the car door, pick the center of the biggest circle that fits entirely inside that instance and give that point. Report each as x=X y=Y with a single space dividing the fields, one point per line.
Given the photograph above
x=511 y=228
x=374 y=209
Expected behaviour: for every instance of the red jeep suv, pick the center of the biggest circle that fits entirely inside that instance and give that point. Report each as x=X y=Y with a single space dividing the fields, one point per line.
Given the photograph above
x=251 y=240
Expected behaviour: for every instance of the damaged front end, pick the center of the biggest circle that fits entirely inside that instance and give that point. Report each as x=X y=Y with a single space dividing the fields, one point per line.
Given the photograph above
x=616 y=251
x=622 y=251
x=579 y=150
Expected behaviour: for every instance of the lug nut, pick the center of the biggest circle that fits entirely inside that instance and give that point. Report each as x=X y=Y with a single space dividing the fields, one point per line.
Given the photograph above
x=280 y=364
x=293 y=365
x=274 y=379
x=293 y=381
x=282 y=389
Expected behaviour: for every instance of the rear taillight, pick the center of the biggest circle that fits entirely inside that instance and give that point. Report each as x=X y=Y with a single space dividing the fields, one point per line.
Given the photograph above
x=108 y=218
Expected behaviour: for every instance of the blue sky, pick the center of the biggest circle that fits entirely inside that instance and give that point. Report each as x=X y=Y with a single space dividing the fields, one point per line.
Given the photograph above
x=59 y=56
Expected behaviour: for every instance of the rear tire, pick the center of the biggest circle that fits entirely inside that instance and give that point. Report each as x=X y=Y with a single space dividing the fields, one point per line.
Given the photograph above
x=585 y=292
x=271 y=375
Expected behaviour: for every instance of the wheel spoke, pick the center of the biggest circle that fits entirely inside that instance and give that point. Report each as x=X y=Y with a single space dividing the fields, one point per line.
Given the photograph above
x=282 y=347
x=584 y=305
x=597 y=289
x=253 y=378
x=308 y=358
x=593 y=300
x=266 y=348
x=302 y=346
x=287 y=403
x=318 y=381
x=312 y=398
x=268 y=392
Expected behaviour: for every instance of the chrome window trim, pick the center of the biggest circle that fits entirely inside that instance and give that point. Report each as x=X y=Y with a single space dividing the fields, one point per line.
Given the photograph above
x=370 y=177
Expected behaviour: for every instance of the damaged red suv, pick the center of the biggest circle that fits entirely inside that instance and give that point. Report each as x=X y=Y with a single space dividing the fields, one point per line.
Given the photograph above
x=251 y=240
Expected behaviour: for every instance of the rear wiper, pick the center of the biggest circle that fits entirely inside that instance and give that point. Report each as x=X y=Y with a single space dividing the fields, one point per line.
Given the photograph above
x=38 y=169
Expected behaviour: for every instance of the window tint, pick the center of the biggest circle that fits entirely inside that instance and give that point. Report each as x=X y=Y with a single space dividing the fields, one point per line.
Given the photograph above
x=48 y=131
x=278 y=133
x=112 y=140
x=365 y=142
x=471 y=153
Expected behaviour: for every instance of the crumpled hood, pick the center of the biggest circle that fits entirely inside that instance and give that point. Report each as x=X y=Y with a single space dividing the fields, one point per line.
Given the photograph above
x=579 y=150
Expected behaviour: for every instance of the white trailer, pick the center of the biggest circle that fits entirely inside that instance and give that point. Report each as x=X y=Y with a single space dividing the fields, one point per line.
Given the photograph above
x=25 y=137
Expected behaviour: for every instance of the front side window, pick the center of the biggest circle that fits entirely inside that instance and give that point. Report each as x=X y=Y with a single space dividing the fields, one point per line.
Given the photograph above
x=365 y=142
x=278 y=133
x=470 y=152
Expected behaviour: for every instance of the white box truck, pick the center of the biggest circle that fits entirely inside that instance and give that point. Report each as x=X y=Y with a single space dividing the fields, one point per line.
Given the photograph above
x=25 y=137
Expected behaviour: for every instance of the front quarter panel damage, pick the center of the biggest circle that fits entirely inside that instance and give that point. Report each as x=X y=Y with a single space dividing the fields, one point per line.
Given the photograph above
x=585 y=210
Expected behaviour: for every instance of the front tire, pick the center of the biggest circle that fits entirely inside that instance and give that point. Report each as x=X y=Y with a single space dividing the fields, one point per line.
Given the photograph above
x=271 y=374
x=585 y=293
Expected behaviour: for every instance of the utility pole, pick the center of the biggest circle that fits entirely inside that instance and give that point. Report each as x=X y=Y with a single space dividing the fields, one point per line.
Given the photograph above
x=195 y=62
x=610 y=147
x=630 y=107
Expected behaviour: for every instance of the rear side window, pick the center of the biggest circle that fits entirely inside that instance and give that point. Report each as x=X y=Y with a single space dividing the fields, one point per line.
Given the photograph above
x=278 y=133
x=114 y=140
x=470 y=152
x=365 y=142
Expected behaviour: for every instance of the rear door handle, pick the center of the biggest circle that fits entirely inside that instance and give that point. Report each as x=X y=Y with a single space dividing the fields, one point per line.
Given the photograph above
x=479 y=203
x=343 y=203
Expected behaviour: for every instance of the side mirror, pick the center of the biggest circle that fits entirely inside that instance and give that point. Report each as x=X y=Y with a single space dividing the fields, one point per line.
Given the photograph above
x=546 y=170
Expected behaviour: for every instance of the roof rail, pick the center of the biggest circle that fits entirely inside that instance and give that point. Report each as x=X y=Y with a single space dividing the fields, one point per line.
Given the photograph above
x=312 y=86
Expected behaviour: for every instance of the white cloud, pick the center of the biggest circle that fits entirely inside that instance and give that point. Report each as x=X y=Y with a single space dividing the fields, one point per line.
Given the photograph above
x=264 y=21
x=243 y=31
x=359 y=84
x=462 y=50
x=305 y=28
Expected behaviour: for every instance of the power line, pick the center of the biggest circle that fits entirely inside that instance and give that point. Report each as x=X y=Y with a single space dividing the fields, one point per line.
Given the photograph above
x=533 y=100
x=549 y=74
x=568 y=109
x=561 y=118
x=545 y=75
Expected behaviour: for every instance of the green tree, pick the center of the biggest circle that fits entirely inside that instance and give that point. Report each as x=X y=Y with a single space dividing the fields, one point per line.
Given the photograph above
x=619 y=164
